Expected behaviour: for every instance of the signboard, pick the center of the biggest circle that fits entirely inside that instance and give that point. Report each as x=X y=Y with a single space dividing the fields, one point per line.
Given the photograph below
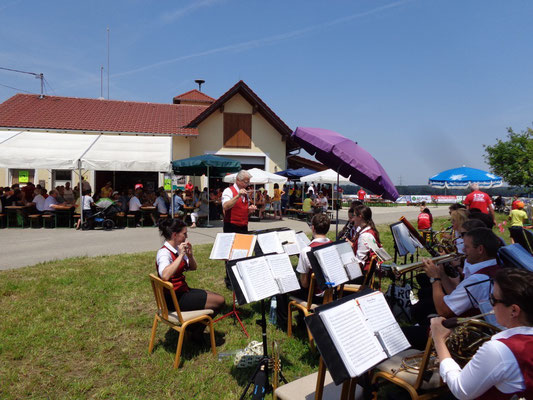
x=168 y=184
x=24 y=176
x=420 y=198
x=444 y=199
x=403 y=199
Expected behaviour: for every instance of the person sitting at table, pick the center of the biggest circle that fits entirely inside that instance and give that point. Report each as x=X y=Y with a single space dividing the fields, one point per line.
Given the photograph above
x=502 y=368
x=202 y=208
x=135 y=205
x=106 y=191
x=68 y=193
x=322 y=203
x=179 y=204
x=172 y=260
x=51 y=202
x=160 y=204
x=308 y=203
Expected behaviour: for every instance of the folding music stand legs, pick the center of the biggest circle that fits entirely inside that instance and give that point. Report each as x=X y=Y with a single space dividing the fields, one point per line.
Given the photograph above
x=260 y=376
x=235 y=313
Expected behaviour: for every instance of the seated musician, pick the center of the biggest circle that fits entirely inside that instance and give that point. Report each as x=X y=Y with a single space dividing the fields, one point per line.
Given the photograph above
x=172 y=260
x=503 y=366
x=480 y=248
x=366 y=234
x=320 y=227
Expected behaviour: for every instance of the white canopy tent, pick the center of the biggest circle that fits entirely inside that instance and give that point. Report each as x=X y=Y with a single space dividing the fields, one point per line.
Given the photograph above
x=28 y=149
x=327 y=176
x=259 y=177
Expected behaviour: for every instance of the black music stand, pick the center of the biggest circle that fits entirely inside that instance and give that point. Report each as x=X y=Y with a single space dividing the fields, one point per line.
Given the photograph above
x=260 y=375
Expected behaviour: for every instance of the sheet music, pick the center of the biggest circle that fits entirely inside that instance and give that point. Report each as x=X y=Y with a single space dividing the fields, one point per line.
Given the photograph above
x=405 y=242
x=240 y=283
x=303 y=240
x=348 y=259
x=357 y=346
x=291 y=248
x=282 y=271
x=332 y=265
x=237 y=254
x=288 y=236
x=269 y=243
x=382 y=254
x=376 y=310
x=288 y=283
x=222 y=248
x=393 y=339
x=257 y=278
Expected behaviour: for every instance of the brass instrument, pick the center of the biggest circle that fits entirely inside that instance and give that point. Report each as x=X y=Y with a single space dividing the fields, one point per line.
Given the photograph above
x=399 y=270
x=467 y=336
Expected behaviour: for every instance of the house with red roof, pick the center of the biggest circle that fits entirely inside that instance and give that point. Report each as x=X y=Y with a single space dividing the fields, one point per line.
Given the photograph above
x=237 y=125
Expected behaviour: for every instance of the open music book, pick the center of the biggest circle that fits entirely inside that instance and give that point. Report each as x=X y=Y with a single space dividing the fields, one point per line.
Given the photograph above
x=283 y=241
x=232 y=246
x=364 y=332
x=406 y=243
x=338 y=262
x=262 y=277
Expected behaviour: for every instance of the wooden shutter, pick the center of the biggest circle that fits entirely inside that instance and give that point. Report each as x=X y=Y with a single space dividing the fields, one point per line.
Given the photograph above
x=238 y=130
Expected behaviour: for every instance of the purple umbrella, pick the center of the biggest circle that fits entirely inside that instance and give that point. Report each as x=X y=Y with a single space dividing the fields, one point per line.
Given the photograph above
x=347 y=158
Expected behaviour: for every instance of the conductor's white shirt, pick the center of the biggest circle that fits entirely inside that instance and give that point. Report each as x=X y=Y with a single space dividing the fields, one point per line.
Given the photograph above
x=493 y=365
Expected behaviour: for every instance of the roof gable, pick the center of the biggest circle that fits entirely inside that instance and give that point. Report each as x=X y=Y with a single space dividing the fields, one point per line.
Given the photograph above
x=248 y=94
x=81 y=114
x=193 y=96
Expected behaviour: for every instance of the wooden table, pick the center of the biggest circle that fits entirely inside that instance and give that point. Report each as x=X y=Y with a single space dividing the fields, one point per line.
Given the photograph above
x=145 y=211
x=61 y=210
x=14 y=211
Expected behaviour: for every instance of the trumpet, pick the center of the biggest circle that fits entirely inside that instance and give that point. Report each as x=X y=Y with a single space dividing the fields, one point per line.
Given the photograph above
x=403 y=269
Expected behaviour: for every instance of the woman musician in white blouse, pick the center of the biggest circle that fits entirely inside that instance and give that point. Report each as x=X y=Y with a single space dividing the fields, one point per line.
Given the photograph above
x=503 y=366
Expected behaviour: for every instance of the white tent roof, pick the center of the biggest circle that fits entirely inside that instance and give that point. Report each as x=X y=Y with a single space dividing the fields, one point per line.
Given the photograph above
x=96 y=152
x=259 y=177
x=327 y=176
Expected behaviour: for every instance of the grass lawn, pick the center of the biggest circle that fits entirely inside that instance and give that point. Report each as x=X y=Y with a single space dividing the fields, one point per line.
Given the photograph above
x=79 y=328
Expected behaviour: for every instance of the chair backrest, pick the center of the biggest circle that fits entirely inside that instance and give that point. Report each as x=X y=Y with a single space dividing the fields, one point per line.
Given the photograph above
x=424 y=364
x=369 y=276
x=159 y=287
x=311 y=292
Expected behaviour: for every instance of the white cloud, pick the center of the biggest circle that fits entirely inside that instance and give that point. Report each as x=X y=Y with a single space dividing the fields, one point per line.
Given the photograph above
x=181 y=12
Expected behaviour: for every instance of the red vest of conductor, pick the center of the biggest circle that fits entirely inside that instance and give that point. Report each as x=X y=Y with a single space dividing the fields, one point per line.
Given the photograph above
x=235 y=204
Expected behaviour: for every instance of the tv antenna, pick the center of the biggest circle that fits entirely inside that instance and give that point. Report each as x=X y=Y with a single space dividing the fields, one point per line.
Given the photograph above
x=36 y=75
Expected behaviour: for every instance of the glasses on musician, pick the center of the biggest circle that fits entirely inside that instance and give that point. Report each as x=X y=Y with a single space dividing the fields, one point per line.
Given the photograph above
x=493 y=300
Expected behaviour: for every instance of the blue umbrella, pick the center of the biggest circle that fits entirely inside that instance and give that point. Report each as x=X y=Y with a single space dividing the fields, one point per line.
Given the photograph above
x=295 y=174
x=461 y=178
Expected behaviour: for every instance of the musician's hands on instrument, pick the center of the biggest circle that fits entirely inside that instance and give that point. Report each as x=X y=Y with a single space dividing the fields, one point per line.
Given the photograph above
x=252 y=208
x=188 y=249
x=430 y=268
x=243 y=192
x=438 y=331
x=182 y=248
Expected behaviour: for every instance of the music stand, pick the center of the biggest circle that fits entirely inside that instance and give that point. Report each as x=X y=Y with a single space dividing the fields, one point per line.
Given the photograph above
x=260 y=375
x=235 y=313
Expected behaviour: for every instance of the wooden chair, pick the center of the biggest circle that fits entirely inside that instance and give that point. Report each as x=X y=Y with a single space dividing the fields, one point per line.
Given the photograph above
x=368 y=280
x=306 y=307
x=177 y=320
x=422 y=385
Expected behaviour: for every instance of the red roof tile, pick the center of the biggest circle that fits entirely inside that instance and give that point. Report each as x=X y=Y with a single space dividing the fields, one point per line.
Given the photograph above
x=195 y=96
x=69 y=113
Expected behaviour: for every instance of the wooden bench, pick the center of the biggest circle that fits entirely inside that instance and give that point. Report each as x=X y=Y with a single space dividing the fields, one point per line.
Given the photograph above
x=130 y=221
x=2 y=220
x=49 y=221
x=35 y=218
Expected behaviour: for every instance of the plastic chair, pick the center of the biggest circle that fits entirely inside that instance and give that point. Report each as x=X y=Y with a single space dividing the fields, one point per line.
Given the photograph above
x=177 y=320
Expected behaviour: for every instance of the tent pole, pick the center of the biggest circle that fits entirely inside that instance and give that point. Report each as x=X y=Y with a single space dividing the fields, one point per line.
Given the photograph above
x=81 y=193
x=337 y=224
x=208 y=208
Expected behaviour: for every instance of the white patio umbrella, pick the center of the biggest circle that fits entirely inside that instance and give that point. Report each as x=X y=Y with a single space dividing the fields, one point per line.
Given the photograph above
x=259 y=177
x=331 y=177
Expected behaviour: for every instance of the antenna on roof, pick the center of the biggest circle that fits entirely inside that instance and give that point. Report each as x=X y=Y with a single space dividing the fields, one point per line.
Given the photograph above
x=200 y=82
x=101 y=82
x=108 y=63
x=36 y=75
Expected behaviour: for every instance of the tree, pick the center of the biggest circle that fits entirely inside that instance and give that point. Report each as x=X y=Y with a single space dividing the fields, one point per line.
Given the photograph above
x=513 y=158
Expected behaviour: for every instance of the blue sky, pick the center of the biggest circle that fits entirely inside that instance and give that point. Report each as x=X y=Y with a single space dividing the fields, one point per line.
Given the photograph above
x=421 y=84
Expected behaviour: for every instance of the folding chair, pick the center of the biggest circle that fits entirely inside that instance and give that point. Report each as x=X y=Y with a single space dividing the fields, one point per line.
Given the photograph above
x=177 y=320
